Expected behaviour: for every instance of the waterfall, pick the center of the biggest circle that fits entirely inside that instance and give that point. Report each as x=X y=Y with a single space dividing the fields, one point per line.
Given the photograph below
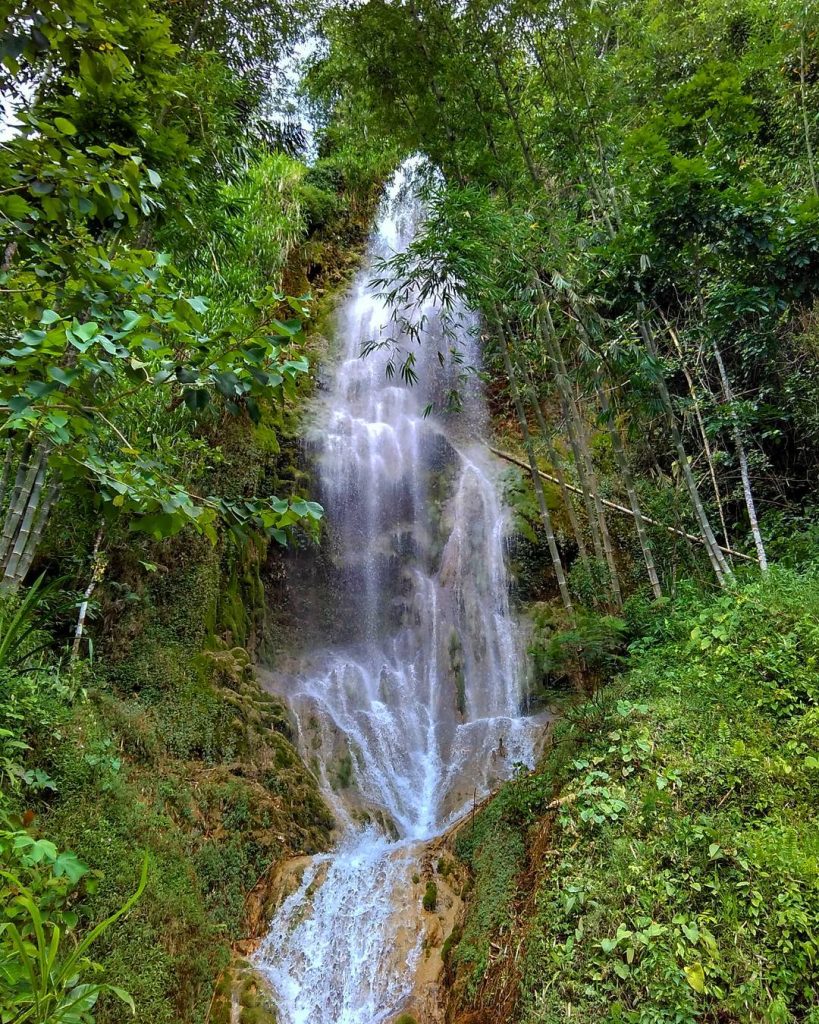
x=410 y=709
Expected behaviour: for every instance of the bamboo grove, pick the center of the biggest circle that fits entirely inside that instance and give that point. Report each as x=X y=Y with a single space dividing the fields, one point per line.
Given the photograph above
x=629 y=200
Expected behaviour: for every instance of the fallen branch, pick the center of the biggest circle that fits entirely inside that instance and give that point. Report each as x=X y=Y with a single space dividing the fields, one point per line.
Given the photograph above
x=560 y=801
x=617 y=508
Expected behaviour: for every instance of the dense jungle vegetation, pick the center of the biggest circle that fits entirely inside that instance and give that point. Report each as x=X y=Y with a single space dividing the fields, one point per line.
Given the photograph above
x=627 y=193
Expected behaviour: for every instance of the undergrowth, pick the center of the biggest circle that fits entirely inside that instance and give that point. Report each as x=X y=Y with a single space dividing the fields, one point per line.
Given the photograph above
x=171 y=749
x=679 y=879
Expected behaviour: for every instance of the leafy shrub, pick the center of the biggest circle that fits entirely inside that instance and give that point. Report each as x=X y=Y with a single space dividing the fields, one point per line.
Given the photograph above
x=45 y=969
x=681 y=880
x=587 y=653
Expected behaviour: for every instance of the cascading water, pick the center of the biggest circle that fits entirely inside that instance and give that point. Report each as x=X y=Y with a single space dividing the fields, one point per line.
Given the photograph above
x=413 y=709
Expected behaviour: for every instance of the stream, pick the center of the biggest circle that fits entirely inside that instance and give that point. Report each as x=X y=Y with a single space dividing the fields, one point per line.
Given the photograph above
x=410 y=710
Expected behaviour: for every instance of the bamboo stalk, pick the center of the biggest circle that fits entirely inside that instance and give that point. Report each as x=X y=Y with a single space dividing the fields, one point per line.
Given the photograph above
x=98 y=563
x=706 y=444
x=10 y=571
x=554 y=459
x=803 y=96
x=618 y=508
x=533 y=468
x=37 y=531
x=628 y=481
x=24 y=482
x=588 y=476
x=4 y=479
x=620 y=454
x=747 y=490
x=712 y=547
x=546 y=330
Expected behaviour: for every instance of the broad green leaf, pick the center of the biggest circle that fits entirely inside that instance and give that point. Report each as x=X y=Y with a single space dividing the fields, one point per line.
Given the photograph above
x=124 y=996
x=85 y=331
x=65 y=126
x=196 y=399
x=695 y=976
x=69 y=865
x=66 y=377
x=14 y=207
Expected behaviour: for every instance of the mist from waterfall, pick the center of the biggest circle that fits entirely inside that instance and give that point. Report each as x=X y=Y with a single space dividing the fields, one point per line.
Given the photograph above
x=411 y=711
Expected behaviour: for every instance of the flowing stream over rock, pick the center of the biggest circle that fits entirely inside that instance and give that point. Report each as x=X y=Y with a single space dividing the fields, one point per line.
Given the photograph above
x=411 y=709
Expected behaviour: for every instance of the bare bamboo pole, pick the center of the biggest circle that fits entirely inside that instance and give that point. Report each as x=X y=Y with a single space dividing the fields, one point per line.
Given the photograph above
x=594 y=504
x=628 y=482
x=546 y=331
x=747 y=490
x=706 y=444
x=554 y=552
x=803 y=96
x=98 y=564
x=554 y=458
x=722 y=570
x=619 y=450
x=696 y=538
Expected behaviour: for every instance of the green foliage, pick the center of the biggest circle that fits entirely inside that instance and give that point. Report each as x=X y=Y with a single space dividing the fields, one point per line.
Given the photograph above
x=104 y=348
x=153 y=356
x=587 y=652
x=681 y=879
x=185 y=757
x=430 y=900
x=661 y=267
x=491 y=845
x=18 y=625
x=42 y=980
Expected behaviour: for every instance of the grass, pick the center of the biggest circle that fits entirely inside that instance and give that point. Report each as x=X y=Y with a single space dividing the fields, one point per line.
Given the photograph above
x=678 y=879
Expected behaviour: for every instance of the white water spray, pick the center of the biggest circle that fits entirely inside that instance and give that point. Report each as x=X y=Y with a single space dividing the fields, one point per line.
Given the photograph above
x=414 y=711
